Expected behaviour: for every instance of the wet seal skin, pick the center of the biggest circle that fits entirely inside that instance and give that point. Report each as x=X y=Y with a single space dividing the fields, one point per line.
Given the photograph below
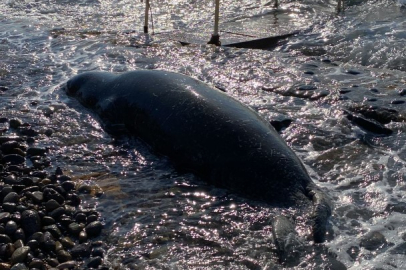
x=204 y=131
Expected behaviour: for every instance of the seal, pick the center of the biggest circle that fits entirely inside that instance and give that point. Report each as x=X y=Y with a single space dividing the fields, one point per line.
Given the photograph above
x=204 y=131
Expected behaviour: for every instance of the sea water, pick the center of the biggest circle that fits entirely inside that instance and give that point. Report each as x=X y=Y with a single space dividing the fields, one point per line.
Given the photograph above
x=157 y=218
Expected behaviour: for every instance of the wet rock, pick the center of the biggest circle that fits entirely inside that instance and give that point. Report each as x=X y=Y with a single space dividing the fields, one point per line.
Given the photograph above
x=13 y=159
x=36 y=196
x=4 y=217
x=36 y=264
x=58 y=212
x=20 y=254
x=279 y=125
x=399 y=249
x=36 y=151
x=82 y=236
x=95 y=262
x=4 y=239
x=51 y=205
x=47 y=242
x=81 y=251
x=19 y=234
x=64 y=256
x=373 y=241
x=75 y=228
x=19 y=266
x=67 y=265
x=11 y=227
x=402 y=92
x=68 y=186
x=67 y=242
x=9 y=207
x=33 y=244
x=53 y=229
x=397 y=102
x=380 y=114
x=94 y=228
x=11 y=197
x=47 y=220
x=52 y=194
x=353 y=72
x=98 y=251
x=31 y=222
x=368 y=124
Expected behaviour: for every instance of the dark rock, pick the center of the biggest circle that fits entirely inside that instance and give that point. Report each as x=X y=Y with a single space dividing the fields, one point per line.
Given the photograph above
x=94 y=228
x=13 y=159
x=82 y=236
x=11 y=227
x=19 y=266
x=5 y=266
x=67 y=242
x=4 y=217
x=67 y=265
x=47 y=242
x=98 y=252
x=53 y=229
x=397 y=102
x=31 y=222
x=81 y=218
x=95 y=262
x=27 y=131
x=52 y=262
x=64 y=178
x=36 y=151
x=368 y=124
x=68 y=186
x=402 y=92
x=353 y=72
x=15 y=123
x=19 y=234
x=51 y=205
x=20 y=254
x=9 y=207
x=399 y=249
x=4 y=239
x=75 y=228
x=33 y=244
x=81 y=251
x=36 y=264
x=63 y=256
x=373 y=241
x=51 y=194
x=307 y=87
x=58 y=212
x=11 y=197
x=36 y=196
x=47 y=220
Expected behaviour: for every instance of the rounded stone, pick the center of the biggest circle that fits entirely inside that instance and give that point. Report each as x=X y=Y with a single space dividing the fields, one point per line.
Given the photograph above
x=13 y=159
x=94 y=228
x=67 y=242
x=20 y=254
x=5 y=239
x=4 y=217
x=95 y=262
x=373 y=240
x=11 y=197
x=11 y=227
x=31 y=222
x=9 y=207
x=64 y=256
x=19 y=266
x=51 y=205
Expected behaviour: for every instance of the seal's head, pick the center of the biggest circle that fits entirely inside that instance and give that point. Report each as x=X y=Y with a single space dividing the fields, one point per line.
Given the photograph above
x=88 y=87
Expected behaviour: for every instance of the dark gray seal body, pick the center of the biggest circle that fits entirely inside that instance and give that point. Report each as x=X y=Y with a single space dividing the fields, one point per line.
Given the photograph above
x=204 y=131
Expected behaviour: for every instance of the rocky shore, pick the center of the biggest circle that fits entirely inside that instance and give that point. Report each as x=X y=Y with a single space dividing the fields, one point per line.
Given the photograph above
x=42 y=223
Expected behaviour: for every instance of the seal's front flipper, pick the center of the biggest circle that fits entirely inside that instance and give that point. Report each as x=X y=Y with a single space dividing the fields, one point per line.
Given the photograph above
x=287 y=241
x=321 y=212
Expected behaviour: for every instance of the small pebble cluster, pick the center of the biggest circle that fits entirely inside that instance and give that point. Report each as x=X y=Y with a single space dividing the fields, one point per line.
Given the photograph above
x=41 y=223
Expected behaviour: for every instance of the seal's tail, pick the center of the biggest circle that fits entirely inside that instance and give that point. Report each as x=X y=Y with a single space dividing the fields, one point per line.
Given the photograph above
x=321 y=212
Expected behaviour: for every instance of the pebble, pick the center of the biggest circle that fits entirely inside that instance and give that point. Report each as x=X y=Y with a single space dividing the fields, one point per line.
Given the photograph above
x=94 y=228
x=39 y=210
x=20 y=254
x=31 y=222
x=94 y=262
x=373 y=240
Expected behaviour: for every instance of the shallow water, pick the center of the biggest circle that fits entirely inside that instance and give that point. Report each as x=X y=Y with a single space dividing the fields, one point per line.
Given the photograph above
x=157 y=218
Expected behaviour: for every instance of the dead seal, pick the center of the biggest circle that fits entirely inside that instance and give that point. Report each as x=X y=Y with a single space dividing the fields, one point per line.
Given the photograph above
x=204 y=131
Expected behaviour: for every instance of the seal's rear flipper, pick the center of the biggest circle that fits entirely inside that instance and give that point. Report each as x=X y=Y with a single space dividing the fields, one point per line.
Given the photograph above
x=287 y=241
x=321 y=212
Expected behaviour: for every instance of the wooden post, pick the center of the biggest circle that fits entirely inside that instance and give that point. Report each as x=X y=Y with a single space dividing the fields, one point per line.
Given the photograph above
x=215 y=37
x=146 y=16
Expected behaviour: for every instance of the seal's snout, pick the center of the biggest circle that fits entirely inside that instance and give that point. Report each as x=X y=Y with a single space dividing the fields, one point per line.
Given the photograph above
x=72 y=87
